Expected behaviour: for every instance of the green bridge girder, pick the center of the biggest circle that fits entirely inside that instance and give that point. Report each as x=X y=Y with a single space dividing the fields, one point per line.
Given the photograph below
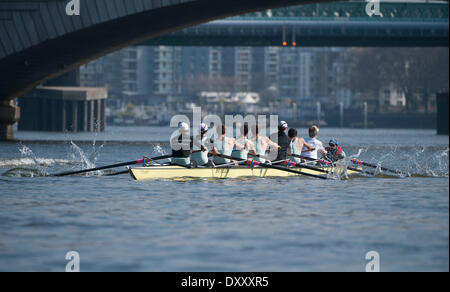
x=325 y=24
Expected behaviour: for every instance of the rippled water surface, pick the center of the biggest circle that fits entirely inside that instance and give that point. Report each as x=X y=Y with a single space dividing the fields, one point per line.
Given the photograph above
x=295 y=224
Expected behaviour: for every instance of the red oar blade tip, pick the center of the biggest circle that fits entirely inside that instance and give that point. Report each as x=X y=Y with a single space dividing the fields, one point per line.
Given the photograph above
x=253 y=162
x=290 y=163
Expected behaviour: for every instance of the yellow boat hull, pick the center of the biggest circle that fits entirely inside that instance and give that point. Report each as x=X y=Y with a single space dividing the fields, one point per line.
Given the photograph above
x=175 y=172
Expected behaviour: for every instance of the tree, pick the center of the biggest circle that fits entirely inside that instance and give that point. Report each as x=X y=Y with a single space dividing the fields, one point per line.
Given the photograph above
x=416 y=71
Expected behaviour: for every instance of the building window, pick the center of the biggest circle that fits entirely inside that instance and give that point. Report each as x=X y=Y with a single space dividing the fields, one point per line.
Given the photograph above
x=132 y=66
x=243 y=67
x=132 y=55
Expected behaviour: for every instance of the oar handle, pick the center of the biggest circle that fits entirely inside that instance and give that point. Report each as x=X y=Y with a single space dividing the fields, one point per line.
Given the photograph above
x=295 y=164
x=319 y=161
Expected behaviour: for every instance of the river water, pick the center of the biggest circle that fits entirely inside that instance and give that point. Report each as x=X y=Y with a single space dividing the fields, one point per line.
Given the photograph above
x=295 y=224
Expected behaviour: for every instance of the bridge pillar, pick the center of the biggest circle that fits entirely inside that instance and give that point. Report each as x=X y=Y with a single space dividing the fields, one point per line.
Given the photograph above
x=61 y=109
x=9 y=115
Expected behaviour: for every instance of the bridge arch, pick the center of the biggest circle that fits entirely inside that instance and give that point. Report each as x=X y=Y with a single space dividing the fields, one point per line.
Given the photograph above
x=49 y=43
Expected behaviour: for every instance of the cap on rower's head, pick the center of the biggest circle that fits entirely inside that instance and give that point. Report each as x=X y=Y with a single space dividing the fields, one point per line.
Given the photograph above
x=282 y=125
x=183 y=127
x=203 y=128
x=313 y=131
x=333 y=142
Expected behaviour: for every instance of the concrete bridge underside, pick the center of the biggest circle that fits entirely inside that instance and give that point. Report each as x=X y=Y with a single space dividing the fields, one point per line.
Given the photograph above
x=38 y=41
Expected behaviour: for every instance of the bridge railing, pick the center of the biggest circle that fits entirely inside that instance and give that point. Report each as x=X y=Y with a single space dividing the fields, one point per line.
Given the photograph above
x=357 y=11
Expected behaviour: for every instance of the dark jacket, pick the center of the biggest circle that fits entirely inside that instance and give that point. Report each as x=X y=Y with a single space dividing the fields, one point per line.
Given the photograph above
x=283 y=142
x=181 y=148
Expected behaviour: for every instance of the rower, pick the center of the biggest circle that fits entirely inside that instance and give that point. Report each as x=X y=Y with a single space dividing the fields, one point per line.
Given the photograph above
x=312 y=140
x=296 y=145
x=334 y=151
x=199 y=143
x=261 y=144
x=181 y=146
x=224 y=145
x=283 y=141
x=246 y=143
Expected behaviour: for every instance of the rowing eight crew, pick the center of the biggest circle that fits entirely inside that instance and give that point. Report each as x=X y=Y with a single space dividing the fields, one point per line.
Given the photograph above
x=193 y=151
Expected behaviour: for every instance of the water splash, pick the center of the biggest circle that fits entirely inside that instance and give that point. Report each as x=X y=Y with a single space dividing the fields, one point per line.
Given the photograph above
x=29 y=162
x=158 y=150
x=414 y=161
x=430 y=164
x=24 y=172
x=95 y=153
x=28 y=153
x=443 y=161
x=78 y=155
x=86 y=160
x=29 y=159
x=25 y=151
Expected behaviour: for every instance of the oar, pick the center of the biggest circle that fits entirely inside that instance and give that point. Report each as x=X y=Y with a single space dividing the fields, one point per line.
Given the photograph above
x=319 y=161
x=252 y=162
x=287 y=169
x=295 y=164
x=239 y=162
x=328 y=163
x=145 y=159
x=359 y=162
x=286 y=162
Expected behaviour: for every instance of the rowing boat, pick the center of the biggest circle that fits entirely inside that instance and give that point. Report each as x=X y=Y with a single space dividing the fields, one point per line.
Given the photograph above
x=174 y=172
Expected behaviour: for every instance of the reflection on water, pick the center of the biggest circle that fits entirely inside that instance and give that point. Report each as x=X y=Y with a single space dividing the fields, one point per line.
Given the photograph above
x=281 y=224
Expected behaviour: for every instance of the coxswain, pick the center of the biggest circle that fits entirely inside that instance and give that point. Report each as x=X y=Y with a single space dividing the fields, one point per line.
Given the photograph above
x=334 y=151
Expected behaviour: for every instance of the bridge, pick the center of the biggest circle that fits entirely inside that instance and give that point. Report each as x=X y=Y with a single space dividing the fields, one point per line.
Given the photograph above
x=331 y=24
x=39 y=42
